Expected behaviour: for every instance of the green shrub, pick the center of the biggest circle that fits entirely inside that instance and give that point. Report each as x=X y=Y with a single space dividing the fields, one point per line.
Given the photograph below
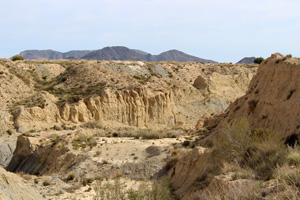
x=90 y=180
x=258 y=60
x=17 y=57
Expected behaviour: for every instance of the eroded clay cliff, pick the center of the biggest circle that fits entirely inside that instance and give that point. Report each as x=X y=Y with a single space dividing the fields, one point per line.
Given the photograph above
x=125 y=94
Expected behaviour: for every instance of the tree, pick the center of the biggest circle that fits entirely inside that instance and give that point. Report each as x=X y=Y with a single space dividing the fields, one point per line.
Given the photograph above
x=258 y=60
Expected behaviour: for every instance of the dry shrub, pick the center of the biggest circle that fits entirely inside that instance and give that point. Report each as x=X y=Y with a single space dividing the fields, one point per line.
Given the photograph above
x=148 y=134
x=289 y=181
x=234 y=140
x=264 y=157
x=260 y=150
x=92 y=125
x=159 y=190
x=289 y=175
x=294 y=157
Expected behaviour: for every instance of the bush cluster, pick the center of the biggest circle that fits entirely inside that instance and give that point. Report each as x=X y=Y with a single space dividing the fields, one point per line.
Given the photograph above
x=258 y=60
x=17 y=57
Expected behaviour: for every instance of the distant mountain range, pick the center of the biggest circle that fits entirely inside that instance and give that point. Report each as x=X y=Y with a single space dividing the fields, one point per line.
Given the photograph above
x=53 y=55
x=112 y=53
x=247 y=60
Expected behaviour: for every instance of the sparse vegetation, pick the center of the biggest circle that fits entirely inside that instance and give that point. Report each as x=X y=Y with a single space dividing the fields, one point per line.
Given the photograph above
x=84 y=141
x=118 y=191
x=147 y=134
x=92 y=125
x=151 y=134
x=69 y=94
x=258 y=155
x=35 y=100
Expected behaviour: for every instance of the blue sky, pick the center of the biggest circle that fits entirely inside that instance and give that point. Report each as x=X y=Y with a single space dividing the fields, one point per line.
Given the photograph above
x=224 y=31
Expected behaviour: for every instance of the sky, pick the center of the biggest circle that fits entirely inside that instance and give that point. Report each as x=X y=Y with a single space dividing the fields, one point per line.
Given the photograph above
x=224 y=31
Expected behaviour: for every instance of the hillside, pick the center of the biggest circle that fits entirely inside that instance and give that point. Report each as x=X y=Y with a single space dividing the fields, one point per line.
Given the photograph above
x=271 y=100
x=247 y=144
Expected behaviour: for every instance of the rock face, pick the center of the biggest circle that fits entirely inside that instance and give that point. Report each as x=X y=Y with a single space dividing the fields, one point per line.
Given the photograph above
x=30 y=157
x=13 y=187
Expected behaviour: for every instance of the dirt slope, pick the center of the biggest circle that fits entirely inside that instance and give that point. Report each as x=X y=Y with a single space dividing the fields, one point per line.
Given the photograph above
x=13 y=187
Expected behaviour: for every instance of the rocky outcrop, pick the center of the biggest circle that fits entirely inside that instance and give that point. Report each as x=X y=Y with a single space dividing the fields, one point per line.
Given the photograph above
x=13 y=187
x=35 y=157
